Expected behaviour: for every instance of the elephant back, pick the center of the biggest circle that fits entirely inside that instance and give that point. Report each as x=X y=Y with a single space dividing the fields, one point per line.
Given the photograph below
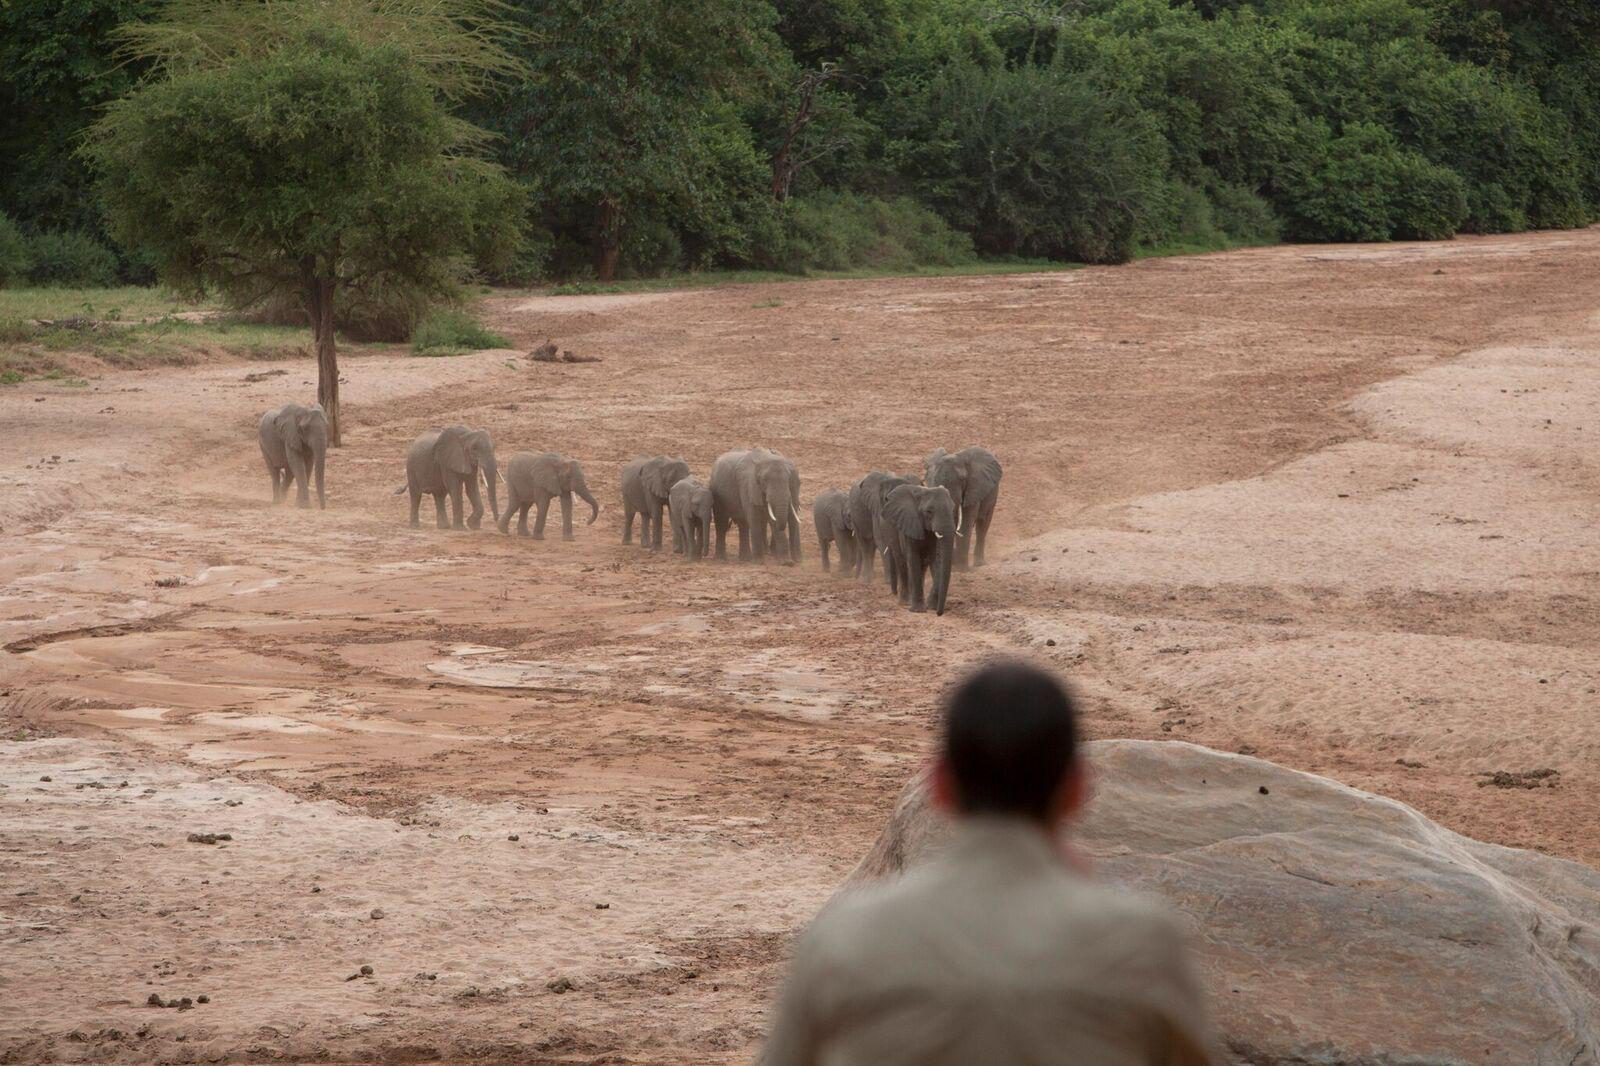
x=725 y=494
x=421 y=470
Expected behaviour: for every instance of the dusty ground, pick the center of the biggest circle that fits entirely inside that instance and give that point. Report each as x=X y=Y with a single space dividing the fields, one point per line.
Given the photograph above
x=1339 y=507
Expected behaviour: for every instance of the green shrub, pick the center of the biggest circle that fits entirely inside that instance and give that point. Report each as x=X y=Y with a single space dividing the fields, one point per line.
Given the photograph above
x=1366 y=187
x=449 y=331
x=15 y=258
x=844 y=231
x=70 y=259
x=387 y=313
x=1244 y=216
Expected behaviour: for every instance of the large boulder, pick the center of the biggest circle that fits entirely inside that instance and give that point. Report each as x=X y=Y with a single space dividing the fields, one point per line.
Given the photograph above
x=1331 y=925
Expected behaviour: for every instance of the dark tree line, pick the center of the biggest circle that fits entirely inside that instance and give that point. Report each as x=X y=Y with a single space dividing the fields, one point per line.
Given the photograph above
x=651 y=135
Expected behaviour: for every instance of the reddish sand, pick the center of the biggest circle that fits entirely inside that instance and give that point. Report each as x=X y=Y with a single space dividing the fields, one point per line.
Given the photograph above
x=1338 y=507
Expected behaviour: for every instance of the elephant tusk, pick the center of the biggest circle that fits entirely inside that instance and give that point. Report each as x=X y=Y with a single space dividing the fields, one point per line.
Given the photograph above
x=796 y=512
x=938 y=534
x=770 y=514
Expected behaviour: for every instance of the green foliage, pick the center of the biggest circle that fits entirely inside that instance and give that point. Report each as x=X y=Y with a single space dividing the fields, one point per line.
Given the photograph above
x=66 y=258
x=16 y=259
x=449 y=331
x=844 y=231
x=1032 y=163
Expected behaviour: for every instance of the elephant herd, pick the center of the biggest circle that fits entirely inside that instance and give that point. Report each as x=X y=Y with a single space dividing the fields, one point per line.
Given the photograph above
x=919 y=525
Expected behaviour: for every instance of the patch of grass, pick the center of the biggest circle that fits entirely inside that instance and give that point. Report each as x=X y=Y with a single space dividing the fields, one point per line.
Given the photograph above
x=767 y=303
x=12 y=377
x=1176 y=248
x=451 y=332
x=123 y=303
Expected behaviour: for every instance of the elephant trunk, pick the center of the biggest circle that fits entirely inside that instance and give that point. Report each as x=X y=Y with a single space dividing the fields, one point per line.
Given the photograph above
x=490 y=474
x=322 y=499
x=943 y=556
x=587 y=497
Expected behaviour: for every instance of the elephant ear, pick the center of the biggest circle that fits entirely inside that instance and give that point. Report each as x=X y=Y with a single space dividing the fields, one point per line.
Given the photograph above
x=288 y=425
x=983 y=477
x=931 y=463
x=450 y=451
x=900 y=510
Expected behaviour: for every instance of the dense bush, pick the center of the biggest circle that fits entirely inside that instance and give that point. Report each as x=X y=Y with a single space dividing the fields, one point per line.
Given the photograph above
x=15 y=256
x=450 y=331
x=70 y=259
x=659 y=135
x=844 y=231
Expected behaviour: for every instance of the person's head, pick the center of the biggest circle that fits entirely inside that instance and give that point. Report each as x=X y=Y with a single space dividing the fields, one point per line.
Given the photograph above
x=1010 y=746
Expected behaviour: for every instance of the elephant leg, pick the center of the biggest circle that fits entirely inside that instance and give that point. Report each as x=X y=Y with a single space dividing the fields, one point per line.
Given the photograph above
x=913 y=577
x=543 y=504
x=865 y=561
x=722 y=524
x=656 y=508
x=438 y=506
x=566 y=516
x=985 y=516
x=475 y=519
x=416 y=506
x=822 y=549
x=521 y=507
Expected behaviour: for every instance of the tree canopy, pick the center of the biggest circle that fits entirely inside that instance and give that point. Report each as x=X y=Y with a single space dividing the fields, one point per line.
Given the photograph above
x=651 y=135
x=274 y=149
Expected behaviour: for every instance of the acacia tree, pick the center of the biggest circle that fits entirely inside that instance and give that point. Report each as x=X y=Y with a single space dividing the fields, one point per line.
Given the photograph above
x=307 y=146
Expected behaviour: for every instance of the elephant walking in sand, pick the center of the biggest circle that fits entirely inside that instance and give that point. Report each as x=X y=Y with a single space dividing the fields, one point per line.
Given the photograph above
x=294 y=442
x=866 y=519
x=446 y=462
x=921 y=525
x=759 y=491
x=830 y=514
x=972 y=477
x=645 y=486
x=533 y=481
x=689 y=503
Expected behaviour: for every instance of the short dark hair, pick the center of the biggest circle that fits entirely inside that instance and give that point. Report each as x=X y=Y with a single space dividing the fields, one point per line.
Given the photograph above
x=1010 y=737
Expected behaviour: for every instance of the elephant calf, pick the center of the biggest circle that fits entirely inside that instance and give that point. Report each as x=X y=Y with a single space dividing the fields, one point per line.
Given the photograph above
x=830 y=513
x=444 y=462
x=645 y=485
x=533 y=480
x=689 y=503
x=294 y=440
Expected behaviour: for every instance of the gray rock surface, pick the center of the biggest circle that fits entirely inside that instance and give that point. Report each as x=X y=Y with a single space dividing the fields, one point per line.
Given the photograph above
x=1331 y=925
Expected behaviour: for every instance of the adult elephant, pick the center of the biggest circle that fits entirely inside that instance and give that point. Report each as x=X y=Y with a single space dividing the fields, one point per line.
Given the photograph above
x=444 y=462
x=646 y=485
x=294 y=442
x=759 y=491
x=534 y=480
x=922 y=524
x=972 y=477
x=866 y=518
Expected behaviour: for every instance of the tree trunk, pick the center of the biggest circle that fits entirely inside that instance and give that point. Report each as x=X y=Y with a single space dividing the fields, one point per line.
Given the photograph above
x=609 y=241
x=319 y=303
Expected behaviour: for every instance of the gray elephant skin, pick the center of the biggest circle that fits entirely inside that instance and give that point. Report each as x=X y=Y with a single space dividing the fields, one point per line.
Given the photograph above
x=646 y=484
x=759 y=491
x=972 y=477
x=533 y=480
x=294 y=442
x=689 y=504
x=923 y=525
x=448 y=462
x=830 y=516
x=866 y=518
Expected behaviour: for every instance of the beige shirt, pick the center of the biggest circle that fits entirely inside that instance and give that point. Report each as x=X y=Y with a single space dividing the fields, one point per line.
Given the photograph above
x=993 y=952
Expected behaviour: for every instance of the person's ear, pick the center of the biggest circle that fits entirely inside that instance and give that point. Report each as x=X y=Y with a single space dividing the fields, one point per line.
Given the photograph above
x=942 y=783
x=1074 y=791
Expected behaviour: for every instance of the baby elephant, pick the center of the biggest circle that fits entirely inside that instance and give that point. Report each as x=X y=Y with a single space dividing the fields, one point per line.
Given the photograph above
x=533 y=480
x=831 y=515
x=294 y=444
x=689 y=502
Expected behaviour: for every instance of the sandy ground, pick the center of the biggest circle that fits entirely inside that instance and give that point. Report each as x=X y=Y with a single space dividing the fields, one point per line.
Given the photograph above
x=1338 y=507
